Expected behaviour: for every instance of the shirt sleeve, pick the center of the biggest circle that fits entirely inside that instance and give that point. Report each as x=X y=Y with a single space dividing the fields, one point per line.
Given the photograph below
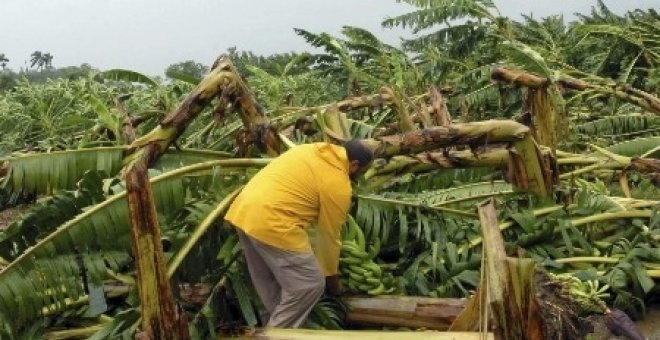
x=334 y=202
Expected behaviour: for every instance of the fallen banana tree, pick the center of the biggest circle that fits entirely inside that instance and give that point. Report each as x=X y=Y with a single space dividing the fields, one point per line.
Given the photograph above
x=609 y=88
x=421 y=243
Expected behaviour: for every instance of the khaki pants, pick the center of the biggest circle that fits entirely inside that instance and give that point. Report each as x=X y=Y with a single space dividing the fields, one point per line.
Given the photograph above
x=288 y=283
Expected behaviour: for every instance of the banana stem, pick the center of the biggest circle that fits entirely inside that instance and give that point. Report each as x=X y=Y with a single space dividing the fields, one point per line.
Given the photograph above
x=611 y=216
x=602 y=259
x=417 y=205
x=652 y=273
x=474 y=197
x=589 y=259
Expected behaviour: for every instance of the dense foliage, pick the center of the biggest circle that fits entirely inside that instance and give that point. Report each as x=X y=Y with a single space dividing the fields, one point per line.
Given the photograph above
x=62 y=144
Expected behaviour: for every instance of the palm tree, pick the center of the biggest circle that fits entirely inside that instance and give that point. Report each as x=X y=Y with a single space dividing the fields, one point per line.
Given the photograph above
x=47 y=60
x=36 y=59
x=3 y=61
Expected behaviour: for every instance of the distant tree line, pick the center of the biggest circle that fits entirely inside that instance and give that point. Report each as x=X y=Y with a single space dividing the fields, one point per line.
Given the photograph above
x=273 y=64
x=40 y=67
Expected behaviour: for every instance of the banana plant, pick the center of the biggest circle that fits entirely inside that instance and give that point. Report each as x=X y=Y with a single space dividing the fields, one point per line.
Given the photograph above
x=416 y=208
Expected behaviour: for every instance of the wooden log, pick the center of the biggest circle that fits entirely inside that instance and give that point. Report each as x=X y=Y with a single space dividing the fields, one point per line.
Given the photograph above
x=309 y=334
x=404 y=311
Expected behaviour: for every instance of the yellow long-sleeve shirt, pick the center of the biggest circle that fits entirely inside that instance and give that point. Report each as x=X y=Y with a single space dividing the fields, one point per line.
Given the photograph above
x=308 y=183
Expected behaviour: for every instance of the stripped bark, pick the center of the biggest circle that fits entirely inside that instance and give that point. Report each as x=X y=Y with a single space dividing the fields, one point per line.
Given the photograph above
x=645 y=165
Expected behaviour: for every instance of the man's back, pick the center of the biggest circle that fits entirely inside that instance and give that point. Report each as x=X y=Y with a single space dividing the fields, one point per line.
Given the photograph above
x=286 y=196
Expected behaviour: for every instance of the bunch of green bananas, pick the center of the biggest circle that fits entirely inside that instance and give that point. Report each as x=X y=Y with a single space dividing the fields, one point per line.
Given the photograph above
x=587 y=294
x=360 y=274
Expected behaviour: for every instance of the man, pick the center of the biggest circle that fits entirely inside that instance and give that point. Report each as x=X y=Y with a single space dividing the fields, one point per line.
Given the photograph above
x=307 y=184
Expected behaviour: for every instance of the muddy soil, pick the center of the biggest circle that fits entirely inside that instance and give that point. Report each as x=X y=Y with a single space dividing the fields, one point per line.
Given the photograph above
x=650 y=326
x=10 y=214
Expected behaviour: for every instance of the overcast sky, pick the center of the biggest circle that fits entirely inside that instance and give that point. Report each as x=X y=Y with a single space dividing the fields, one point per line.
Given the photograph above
x=149 y=35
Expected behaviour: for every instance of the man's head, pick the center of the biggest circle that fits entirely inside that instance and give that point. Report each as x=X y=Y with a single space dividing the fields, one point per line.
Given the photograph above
x=359 y=158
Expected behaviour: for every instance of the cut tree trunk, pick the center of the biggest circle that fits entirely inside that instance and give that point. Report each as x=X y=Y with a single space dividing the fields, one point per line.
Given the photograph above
x=548 y=122
x=404 y=311
x=529 y=168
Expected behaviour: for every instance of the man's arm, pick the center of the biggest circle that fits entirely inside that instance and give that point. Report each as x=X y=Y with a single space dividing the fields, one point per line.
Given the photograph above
x=334 y=202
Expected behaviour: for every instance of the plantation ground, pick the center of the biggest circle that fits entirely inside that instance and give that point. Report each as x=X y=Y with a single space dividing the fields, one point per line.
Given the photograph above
x=650 y=326
x=10 y=214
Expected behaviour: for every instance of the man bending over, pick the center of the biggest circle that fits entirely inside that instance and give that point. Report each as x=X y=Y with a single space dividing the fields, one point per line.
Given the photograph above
x=307 y=184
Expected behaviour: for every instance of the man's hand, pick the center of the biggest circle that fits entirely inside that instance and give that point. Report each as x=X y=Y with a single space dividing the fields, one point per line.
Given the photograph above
x=333 y=285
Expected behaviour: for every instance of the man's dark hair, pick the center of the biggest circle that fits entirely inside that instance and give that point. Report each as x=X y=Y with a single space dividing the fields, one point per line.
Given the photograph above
x=357 y=151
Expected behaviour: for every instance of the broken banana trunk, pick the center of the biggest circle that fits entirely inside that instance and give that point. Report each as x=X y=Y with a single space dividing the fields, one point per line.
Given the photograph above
x=429 y=161
x=529 y=168
x=510 y=290
x=474 y=134
x=623 y=92
x=160 y=317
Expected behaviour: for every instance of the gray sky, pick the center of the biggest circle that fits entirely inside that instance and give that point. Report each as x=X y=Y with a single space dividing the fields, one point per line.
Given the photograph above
x=149 y=35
